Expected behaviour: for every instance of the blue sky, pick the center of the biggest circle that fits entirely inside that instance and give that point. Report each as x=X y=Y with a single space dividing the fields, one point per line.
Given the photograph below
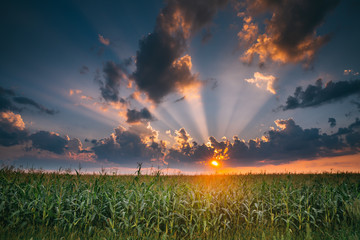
x=171 y=83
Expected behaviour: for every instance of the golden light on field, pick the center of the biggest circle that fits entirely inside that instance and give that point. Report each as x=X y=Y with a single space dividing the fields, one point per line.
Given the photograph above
x=215 y=163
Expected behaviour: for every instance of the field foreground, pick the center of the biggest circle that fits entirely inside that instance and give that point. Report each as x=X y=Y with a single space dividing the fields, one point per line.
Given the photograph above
x=276 y=206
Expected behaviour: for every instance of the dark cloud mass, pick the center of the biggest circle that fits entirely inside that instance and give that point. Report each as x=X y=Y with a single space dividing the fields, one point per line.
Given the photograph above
x=135 y=116
x=332 y=122
x=315 y=95
x=290 y=34
x=8 y=101
x=352 y=134
x=48 y=141
x=5 y=101
x=115 y=76
x=288 y=143
x=161 y=67
x=128 y=147
x=12 y=129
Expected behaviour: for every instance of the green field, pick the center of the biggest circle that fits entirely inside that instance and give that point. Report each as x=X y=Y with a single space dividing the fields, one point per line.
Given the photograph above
x=39 y=205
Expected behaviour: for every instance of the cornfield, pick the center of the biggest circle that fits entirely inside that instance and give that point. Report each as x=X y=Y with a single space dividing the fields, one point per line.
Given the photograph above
x=38 y=205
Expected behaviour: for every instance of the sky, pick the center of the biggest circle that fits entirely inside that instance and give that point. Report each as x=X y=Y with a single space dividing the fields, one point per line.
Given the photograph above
x=256 y=85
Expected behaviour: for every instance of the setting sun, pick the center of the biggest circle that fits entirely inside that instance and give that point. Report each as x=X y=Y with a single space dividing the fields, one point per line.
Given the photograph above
x=215 y=163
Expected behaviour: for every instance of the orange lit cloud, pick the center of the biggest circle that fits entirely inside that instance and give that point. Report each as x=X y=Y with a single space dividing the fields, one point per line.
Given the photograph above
x=190 y=88
x=103 y=40
x=289 y=35
x=12 y=119
x=249 y=31
x=350 y=72
x=266 y=47
x=262 y=81
x=74 y=91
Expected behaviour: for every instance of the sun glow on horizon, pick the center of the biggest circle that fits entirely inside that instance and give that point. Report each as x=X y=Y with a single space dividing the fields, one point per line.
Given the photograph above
x=215 y=163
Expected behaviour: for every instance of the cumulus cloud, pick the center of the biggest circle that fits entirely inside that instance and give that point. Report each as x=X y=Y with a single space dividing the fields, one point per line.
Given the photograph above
x=290 y=34
x=316 y=95
x=135 y=116
x=103 y=40
x=74 y=145
x=161 y=64
x=129 y=146
x=49 y=141
x=288 y=142
x=183 y=139
x=187 y=151
x=249 y=31
x=15 y=135
x=12 y=129
x=262 y=81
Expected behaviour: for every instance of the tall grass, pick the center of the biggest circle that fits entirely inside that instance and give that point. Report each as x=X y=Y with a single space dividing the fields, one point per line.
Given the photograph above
x=53 y=205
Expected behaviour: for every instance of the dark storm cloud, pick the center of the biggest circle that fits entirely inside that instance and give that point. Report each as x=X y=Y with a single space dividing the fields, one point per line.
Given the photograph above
x=28 y=101
x=8 y=101
x=160 y=67
x=51 y=142
x=127 y=147
x=315 y=95
x=115 y=76
x=332 y=122
x=12 y=129
x=135 y=116
x=290 y=34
